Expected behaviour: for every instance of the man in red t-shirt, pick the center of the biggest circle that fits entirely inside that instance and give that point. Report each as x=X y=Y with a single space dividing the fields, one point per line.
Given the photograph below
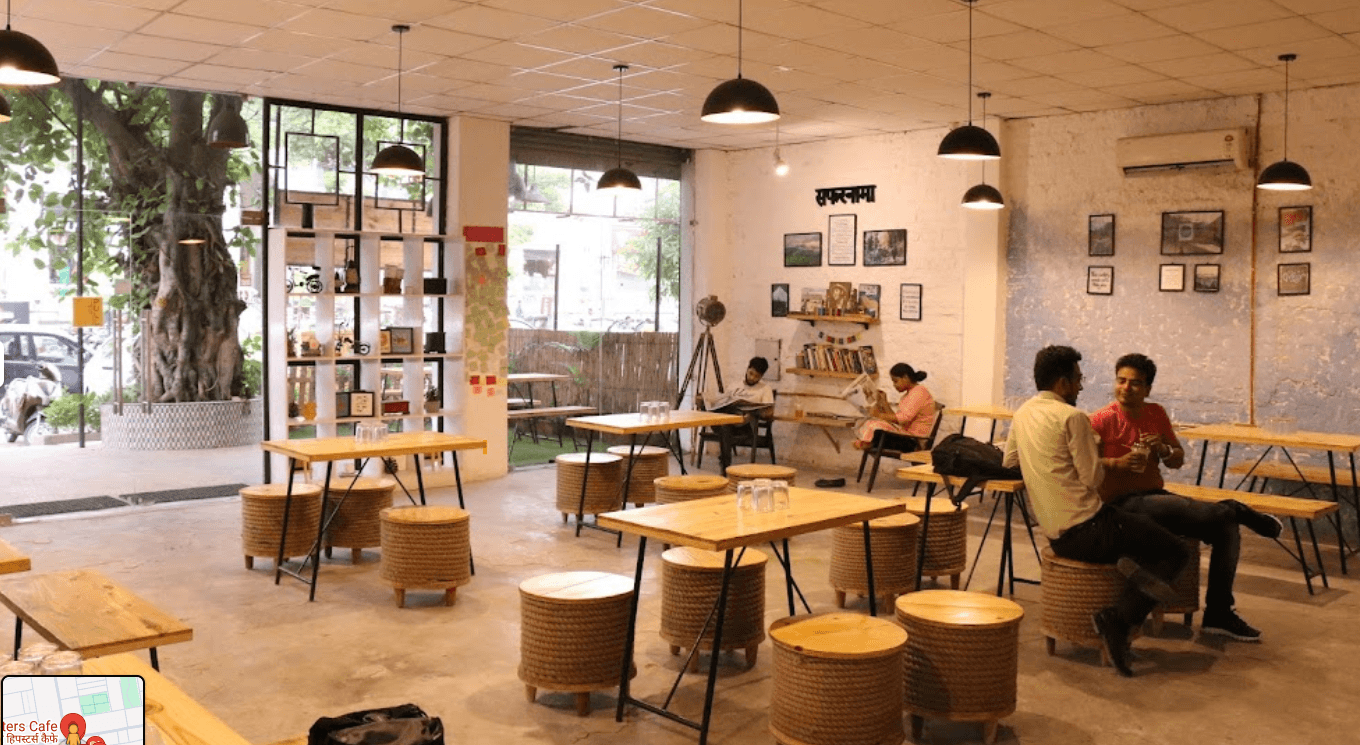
x=1135 y=436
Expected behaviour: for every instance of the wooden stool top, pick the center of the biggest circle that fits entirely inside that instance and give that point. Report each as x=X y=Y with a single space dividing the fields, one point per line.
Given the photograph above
x=698 y=558
x=12 y=560
x=692 y=482
x=280 y=491
x=958 y=608
x=572 y=587
x=646 y=451
x=365 y=483
x=900 y=520
x=917 y=505
x=579 y=459
x=1047 y=555
x=839 y=635
x=427 y=514
x=746 y=471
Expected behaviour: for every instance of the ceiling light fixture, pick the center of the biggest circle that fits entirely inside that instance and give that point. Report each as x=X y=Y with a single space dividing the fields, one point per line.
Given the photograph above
x=739 y=100
x=619 y=180
x=398 y=160
x=228 y=130
x=1285 y=175
x=781 y=168
x=969 y=142
x=23 y=59
x=982 y=196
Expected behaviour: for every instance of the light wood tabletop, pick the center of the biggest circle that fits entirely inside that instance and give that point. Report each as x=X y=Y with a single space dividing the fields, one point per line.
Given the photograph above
x=713 y=523
x=11 y=560
x=84 y=611
x=987 y=411
x=323 y=449
x=1250 y=435
x=926 y=474
x=180 y=719
x=632 y=424
x=535 y=377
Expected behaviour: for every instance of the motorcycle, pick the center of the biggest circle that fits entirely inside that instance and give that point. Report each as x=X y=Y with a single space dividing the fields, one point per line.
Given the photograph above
x=21 y=407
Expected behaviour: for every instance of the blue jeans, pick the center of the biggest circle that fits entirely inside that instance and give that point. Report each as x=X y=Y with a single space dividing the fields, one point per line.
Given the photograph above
x=1212 y=523
x=1113 y=533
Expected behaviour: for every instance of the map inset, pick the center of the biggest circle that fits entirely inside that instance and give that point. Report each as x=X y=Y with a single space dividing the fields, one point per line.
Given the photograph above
x=73 y=710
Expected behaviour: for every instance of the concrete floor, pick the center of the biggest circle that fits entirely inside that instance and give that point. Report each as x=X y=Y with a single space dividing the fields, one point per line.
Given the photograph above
x=269 y=663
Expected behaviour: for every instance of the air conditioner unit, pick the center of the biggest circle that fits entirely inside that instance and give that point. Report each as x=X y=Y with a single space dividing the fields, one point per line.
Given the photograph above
x=1214 y=148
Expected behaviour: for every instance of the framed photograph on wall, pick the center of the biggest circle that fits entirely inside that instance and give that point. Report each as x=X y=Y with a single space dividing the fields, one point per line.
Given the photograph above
x=779 y=300
x=403 y=340
x=840 y=240
x=1294 y=279
x=1186 y=233
x=802 y=249
x=1206 y=277
x=1099 y=280
x=1172 y=278
x=1100 y=235
x=910 y=305
x=1296 y=230
x=361 y=403
x=885 y=247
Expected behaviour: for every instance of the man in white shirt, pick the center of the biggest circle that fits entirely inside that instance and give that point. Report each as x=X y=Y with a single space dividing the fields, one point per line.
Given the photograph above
x=753 y=398
x=1054 y=445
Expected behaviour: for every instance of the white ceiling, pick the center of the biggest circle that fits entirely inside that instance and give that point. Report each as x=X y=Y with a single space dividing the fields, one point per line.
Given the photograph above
x=839 y=68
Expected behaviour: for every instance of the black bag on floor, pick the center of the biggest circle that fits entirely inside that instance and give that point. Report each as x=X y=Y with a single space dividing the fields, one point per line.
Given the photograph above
x=397 y=725
x=974 y=460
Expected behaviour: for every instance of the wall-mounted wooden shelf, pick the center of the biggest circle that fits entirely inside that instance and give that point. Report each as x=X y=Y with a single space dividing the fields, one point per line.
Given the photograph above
x=821 y=373
x=864 y=320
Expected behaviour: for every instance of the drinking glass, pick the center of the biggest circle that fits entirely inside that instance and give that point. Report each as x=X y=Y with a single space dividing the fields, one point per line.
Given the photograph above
x=1141 y=447
x=61 y=663
x=746 y=497
x=663 y=409
x=780 y=492
x=764 y=496
x=34 y=653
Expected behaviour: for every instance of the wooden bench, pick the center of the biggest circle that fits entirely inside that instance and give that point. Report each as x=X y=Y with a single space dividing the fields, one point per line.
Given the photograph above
x=11 y=560
x=533 y=414
x=1267 y=470
x=86 y=612
x=179 y=717
x=1293 y=508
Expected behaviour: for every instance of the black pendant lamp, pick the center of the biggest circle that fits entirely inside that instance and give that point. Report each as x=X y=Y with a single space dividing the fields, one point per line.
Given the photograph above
x=740 y=100
x=24 y=61
x=969 y=142
x=228 y=130
x=5 y=114
x=983 y=196
x=619 y=180
x=1285 y=175
x=398 y=160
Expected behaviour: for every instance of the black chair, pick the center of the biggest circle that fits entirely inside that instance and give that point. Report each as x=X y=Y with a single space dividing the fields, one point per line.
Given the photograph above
x=757 y=434
x=894 y=445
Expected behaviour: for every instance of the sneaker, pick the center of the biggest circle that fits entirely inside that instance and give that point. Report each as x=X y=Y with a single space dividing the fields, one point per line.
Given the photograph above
x=1259 y=522
x=1150 y=584
x=1115 y=635
x=1228 y=623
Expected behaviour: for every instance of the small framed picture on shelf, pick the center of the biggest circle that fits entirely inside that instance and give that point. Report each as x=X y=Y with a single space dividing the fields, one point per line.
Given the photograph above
x=1294 y=279
x=1206 y=277
x=1172 y=278
x=868 y=299
x=802 y=249
x=403 y=339
x=1100 y=235
x=910 y=303
x=1296 y=230
x=342 y=404
x=1099 y=280
x=361 y=403
x=779 y=300
x=384 y=341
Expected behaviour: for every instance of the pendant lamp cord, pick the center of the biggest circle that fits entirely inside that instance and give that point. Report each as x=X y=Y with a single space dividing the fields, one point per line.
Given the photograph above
x=984 y=96
x=618 y=143
x=1286 y=58
x=401 y=119
x=7 y=28
x=970 y=60
x=740 y=5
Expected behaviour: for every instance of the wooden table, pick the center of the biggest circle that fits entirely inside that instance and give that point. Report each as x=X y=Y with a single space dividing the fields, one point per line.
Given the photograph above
x=1012 y=493
x=983 y=411
x=86 y=612
x=180 y=719
x=525 y=381
x=713 y=523
x=634 y=425
x=330 y=449
x=11 y=560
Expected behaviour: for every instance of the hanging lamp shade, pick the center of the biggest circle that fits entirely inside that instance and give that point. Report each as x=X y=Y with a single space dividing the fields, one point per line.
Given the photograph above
x=969 y=142
x=740 y=101
x=983 y=197
x=398 y=160
x=5 y=114
x=1285 y=175
x=228 y=130
x=619 y=180
x=24 y=61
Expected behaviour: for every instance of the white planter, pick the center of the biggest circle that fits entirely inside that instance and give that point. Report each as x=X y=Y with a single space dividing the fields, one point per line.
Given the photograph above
x=198 y=425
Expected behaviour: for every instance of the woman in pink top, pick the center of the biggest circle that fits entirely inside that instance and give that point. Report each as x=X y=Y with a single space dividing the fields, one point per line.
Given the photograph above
x=915 y=414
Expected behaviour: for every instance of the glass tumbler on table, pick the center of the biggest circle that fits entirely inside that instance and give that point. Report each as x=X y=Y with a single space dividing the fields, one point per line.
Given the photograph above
x=780 y=493
x=746 y=497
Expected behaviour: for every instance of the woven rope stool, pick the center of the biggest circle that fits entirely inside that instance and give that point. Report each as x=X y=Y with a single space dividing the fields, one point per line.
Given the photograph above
x=649 y=464
x=1071 y=593
x=602 y=488
x=946 y=537
x=691 y=580
x=573 y=628
x=837 y=680
x=1186 y=585
x=893 y=540
x=354 y=524
x=753 y=471
x=425 y=547
x=962 y=658
x=671 y=489
x=262 y=520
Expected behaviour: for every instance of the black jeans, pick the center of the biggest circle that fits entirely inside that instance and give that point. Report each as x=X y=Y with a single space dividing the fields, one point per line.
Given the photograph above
x=1113 y=533
x=1214 y=524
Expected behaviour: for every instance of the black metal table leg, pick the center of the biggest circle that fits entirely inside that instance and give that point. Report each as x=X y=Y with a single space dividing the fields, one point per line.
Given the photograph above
x=632 y=628
x=1317 y=553
x=1222 y=474
x=869 y=570
x=320 y=534
x=1298 y=544
x=788 y=575
x=287 y=508
x=155 y=661
x=925 y=531
x=585 y=477
x=18 y=634
x=717 y=645
x=457 y=479
x=1203 y=455
x=420 y=482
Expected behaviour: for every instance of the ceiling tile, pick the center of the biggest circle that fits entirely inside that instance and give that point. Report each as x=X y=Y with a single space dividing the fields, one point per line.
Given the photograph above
x=1079 y=59
x=517 y=55
x=334 y=69
x=642 y=21
x=1041 y=13
x=721 y=39
x=176 y=26
x=884 y=12
x=1018 y=44
x=1081 y=100
x=380 y=54
x=1307 y=7
x=1037 y=86
x=858 y=41
x=1244 y=81
x=534 y=80
x=1323 y=69
x=488 y=92
x=148 y=46
x=103 y=73
x=466 y=69
x=577 y=39
x=1207 y=64
x=1110 y=30
x=802 y=22
x=259 y=12
x=348 y=26
x=656 y=54
x=1343 y=21
x=561 y=11
x=1112 y=76
x=721 y=11
x=81 y=13
x=288 y=42
x=1282 y=32
x=1153 y=50
x=1162 y=91
x=406 y=11
x=259 y=60
x=439 y=41
x=984 y=73
x=846 y=93
x=136 y=63
x=1311 y=54
x=947 y=28
x=495 y=23
x=233 y=76
x=1213 y=14
x=925 y=56
x=584 y=68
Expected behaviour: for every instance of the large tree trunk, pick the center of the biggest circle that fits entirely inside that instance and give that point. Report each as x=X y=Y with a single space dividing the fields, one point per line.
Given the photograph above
x=196 y=353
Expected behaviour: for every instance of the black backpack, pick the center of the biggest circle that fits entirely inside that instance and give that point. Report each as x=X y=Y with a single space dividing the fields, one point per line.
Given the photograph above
x=397 y=725
x=974 y=460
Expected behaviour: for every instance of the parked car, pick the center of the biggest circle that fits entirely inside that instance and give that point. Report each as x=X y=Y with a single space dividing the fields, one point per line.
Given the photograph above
x=27 y=347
